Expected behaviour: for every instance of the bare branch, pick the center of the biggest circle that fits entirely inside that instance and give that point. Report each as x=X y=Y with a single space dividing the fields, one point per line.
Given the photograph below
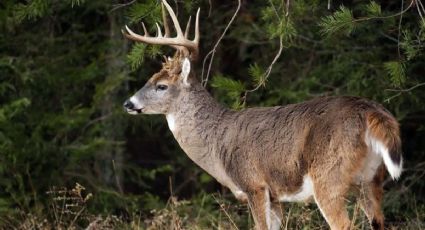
x=118 y=6
x=408 y=89
x=400 y=91
x=212 y=52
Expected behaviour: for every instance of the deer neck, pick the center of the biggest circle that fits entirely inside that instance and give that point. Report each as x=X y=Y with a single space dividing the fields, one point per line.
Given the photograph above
x=194 y=122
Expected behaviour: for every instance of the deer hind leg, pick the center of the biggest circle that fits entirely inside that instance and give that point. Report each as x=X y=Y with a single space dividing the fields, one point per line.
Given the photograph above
x=330 y=198
x=260 y=205
x=276 y=215
x=370 y=198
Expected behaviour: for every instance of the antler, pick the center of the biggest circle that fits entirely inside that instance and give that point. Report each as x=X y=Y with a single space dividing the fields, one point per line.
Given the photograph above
x=180 y=42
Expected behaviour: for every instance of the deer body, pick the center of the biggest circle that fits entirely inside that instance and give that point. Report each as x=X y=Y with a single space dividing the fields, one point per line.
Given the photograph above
x=316 y=150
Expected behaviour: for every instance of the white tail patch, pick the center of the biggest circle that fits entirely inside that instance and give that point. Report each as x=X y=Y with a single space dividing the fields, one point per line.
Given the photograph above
x=379 y=148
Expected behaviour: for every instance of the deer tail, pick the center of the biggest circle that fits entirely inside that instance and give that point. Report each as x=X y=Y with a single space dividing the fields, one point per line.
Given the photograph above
x=383 y=138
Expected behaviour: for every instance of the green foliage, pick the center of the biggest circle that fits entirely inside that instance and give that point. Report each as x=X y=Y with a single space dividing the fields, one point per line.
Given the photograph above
x=257 y=74
x=9 y=111
x=149 y=12
x=341 y=21
x=396 y=71
x=410 y=46
x=154 y=51
x=35 y=9
x=422 y=30
x=77 y=2
x=277 y=24
x=373 y=9
x=234 y=88
x=136 y=57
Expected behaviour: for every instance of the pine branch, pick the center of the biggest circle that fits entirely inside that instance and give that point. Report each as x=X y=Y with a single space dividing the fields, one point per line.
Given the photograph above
x=396 y=70
x=149 y=11
x=257 y=75
x=340 y=21
x=136 y=57
x=232 y=86
x=373 y=9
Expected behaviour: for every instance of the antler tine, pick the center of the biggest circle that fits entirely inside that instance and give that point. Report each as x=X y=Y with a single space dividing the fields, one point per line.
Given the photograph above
x=165 y=21
x=186 y=32
x=158 y=33
x=174 y=18
x=180 y=42
x=145 y=30
x=196 y=39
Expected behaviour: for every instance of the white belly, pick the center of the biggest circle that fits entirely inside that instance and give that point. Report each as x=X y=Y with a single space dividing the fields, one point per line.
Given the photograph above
x=305 y=192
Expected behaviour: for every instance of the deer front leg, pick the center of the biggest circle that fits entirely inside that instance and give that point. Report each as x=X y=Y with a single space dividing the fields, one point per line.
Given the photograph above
x=259 y=203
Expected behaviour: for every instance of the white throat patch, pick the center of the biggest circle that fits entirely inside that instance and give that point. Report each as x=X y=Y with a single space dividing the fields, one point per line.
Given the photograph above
x=171 y=122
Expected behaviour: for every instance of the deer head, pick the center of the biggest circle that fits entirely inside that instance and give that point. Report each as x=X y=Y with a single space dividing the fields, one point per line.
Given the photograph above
x=175 y=77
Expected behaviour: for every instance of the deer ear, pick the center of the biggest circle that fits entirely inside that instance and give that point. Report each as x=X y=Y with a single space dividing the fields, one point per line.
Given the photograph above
x=185 y=71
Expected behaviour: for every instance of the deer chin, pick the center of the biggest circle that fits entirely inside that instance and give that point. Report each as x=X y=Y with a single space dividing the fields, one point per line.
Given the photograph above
x=134 y=111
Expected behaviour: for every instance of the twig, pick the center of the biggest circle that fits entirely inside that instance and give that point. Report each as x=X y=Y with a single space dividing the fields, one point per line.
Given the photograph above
x=225 y=212
x=267 y=73
x=389 y=16
x=76 y=217
x=210 y=8
x=269 y=69
x=399 y=29
x=275 y=10
x=420 y=7
x=288 y=218
x=400 y=91
x=117 y=6
x=276 y=57
x=117 y=179
x=419 y=11
x=408 y=89
x=101 y=118
x=212 y=52
x=287 y=8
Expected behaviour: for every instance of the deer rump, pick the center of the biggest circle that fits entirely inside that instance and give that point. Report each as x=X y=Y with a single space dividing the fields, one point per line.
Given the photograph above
x=344 y=137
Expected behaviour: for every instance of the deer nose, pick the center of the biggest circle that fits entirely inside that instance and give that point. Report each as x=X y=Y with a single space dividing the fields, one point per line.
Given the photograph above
x=128 y=104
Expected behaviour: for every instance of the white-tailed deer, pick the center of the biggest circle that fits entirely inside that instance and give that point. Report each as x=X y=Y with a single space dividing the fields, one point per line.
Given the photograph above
x=319 y=149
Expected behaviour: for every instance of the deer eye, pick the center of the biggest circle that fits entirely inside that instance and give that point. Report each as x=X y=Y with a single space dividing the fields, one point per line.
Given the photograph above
x=161 y=87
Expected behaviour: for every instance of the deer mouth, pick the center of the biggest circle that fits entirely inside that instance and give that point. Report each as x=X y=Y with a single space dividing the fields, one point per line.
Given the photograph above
x=134 y=111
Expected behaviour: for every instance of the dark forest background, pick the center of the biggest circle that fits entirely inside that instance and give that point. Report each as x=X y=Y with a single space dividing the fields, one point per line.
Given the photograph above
x=70 y=157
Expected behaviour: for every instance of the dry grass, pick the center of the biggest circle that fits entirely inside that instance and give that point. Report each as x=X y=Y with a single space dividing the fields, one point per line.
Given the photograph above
x=69 y=210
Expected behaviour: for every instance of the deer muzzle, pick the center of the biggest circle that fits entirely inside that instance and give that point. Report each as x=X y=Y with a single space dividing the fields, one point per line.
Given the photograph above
x=131 y=107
